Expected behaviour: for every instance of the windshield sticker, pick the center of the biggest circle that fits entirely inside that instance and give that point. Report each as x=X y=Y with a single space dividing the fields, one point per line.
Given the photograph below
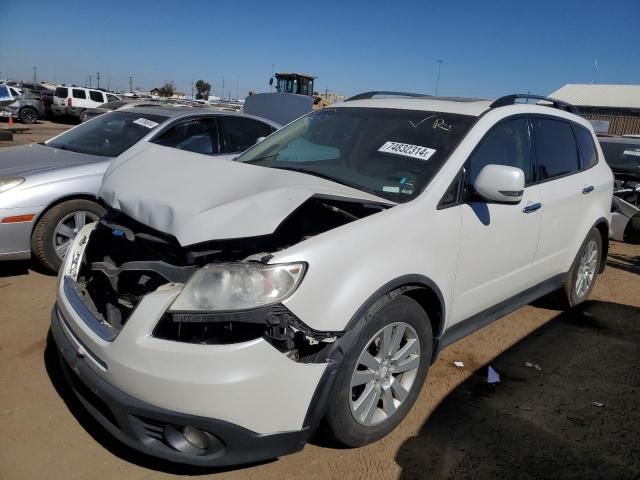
x=390 y=189
x=635 y=153
x=407 y=150
x=145 y=123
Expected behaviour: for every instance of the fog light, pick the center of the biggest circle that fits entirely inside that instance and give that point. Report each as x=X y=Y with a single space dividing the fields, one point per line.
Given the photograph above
x=196 y=438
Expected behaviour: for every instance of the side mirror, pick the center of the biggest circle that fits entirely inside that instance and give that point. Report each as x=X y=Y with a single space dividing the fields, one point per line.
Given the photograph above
x=499 y=183
x=259 y=139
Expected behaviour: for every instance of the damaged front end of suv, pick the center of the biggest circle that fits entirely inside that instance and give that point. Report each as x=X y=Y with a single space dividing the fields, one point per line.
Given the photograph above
x=231 y=293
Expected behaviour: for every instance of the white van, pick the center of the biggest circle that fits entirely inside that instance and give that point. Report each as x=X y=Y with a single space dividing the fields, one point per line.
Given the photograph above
x=74 y=100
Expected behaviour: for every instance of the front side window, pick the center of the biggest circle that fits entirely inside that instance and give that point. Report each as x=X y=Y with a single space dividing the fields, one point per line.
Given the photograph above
x=242 y=133
x=107 y=135
x=390 y=153
x=555 y=147
x=96 y=96
x=587 y=148
x=77 y=93
x=508 y=144
x=198 y=135
x=112 y=98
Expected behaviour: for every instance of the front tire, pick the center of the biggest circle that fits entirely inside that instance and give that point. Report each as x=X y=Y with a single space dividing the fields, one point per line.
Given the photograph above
x=582 y=275
x=57 y=228
x=382 y=374
x=28 y=115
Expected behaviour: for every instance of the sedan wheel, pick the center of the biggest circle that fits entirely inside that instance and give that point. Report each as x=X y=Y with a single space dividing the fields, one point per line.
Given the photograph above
x=67 y=229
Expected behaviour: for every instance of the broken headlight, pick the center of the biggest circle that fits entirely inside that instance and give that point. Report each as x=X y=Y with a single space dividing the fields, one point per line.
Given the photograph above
x=238 y=286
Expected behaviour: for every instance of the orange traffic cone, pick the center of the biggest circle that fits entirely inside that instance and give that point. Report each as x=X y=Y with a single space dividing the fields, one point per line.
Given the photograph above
x=10 y=120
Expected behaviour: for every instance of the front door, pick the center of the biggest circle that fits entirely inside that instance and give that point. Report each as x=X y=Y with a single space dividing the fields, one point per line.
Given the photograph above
x=499 y=241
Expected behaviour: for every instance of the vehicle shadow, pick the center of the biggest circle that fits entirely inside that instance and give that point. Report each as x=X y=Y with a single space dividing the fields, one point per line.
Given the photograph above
x=628 y=263
x=21 y=267
x=104 y=438
x=566 y=407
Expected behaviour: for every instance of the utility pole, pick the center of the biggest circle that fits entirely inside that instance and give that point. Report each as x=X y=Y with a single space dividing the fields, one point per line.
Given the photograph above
x=35 y=69
x=192 y=97
x=98 y=79
x=130 y=84
x=438 y=77
x=108 y=77
x=222 y=96
x=90 y=79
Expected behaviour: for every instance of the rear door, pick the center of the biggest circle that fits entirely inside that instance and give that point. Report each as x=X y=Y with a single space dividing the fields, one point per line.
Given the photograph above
x=564 y=189
x=499 y=241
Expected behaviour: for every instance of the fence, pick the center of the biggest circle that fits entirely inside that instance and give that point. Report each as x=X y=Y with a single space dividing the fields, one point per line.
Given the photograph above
x=618 y=124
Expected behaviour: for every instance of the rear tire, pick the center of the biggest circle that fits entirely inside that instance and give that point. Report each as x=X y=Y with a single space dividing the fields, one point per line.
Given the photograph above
x=582 y=276
x=28 y=115
x=49 y=234
x=369 y=377
x=632 y=230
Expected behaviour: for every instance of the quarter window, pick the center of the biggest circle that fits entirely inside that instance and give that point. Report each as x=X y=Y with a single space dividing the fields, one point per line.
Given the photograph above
x=77 y=93
x=198 y=136
x=586 y=146
x=4 y=92
x=506 y=144
x=242 y=133
x=555 y=147
x=96 y=96
x=61 y=92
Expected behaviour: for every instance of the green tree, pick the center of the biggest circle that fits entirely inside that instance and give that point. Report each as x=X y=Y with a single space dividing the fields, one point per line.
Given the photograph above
x=167 y=90
x=203 y=89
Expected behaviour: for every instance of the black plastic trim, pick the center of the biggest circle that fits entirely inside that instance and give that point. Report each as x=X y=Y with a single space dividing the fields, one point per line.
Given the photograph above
x=234 y=444
x=103 y=330
x=484 y=318
x=511 y=99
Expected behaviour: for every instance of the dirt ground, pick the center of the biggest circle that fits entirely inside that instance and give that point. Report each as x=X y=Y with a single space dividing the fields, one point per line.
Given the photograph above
x=572 y=414
x=39 y=132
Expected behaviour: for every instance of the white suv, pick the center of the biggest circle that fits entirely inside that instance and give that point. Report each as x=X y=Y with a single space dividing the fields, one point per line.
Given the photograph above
x=221 y=311
x=75 y=100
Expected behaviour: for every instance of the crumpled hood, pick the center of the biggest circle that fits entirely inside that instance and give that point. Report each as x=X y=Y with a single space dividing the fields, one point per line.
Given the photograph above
x=25 y=159
x=197 y=198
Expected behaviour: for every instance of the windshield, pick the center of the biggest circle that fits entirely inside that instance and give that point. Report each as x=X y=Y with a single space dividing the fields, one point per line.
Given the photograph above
x=622 y=156
x=387 y=152
x=107 y=135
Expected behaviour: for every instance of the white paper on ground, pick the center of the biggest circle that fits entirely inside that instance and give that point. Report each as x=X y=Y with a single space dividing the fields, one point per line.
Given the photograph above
x=459 y=364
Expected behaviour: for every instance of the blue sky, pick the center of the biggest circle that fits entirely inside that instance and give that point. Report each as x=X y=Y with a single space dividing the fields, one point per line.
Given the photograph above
x=488 y=48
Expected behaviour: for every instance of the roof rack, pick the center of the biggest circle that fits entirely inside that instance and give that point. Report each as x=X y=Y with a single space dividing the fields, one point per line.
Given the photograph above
x=511 y=99
x=366 y=95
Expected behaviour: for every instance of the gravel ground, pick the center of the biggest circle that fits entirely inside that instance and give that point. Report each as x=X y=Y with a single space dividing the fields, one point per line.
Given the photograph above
x=575 y=416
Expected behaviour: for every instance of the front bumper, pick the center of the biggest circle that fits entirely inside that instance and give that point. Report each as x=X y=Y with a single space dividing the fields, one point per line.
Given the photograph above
x=15 y=238
x=149 y=429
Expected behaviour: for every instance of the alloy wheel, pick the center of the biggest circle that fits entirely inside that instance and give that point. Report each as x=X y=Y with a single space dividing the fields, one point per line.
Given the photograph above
x=384 y=374
x=67 y=229
x=587 y=269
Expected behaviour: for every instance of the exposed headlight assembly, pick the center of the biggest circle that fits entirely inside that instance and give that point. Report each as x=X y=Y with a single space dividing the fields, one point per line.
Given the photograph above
x=238 y=286
x=7 y=183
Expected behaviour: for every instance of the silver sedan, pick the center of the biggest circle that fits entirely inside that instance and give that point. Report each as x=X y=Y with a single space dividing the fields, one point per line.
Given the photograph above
x=48 y=191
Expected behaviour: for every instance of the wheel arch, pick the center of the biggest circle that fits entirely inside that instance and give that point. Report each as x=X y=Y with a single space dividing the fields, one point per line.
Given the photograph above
x=58 y=201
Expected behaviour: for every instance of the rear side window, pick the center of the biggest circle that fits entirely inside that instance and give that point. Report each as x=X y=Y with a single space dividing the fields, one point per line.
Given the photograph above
x=4 y=92
x=509 y=144
x=242 y=133
x=555 y=147
x=198 y=136
x=62 y=92
x=586 y=147
x=96 y=96
x=77 y=93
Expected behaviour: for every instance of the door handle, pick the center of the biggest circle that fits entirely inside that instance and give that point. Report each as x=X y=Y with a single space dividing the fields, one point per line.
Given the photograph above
x=532 y=208
x=588 y=189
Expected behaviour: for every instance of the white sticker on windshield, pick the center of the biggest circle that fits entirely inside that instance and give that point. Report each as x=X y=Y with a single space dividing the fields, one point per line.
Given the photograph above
x=145 y=123
x=407 y=150
x=635 y=153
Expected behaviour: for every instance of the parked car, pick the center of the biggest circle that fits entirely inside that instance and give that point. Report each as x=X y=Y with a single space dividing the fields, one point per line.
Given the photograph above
x=21 y=104
x=72 y=101
x=623 y=156
x=125 y=104
x=220 y=311
x=48 y=191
